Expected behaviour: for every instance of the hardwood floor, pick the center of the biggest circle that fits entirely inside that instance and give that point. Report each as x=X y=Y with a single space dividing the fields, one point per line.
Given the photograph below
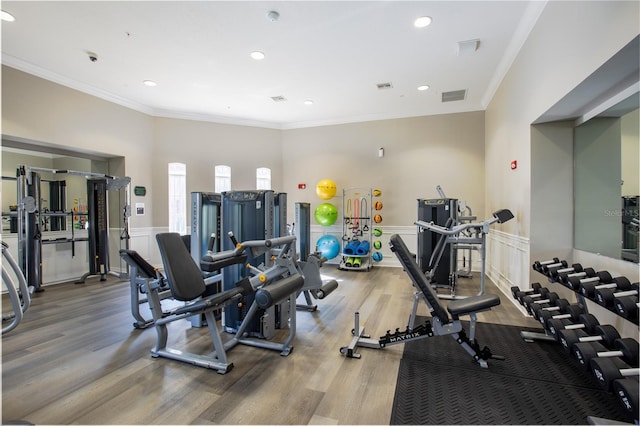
x=76 y=358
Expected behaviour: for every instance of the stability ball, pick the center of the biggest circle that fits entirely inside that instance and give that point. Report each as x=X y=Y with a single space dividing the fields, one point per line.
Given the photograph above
x=328 y=246
x=326 y=189
x=326 y=214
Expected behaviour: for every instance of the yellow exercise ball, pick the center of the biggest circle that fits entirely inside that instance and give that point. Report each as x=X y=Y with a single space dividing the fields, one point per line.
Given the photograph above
x=326 y=189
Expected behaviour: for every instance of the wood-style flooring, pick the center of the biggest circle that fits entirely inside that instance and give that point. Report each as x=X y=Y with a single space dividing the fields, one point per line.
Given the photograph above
x=76 y=359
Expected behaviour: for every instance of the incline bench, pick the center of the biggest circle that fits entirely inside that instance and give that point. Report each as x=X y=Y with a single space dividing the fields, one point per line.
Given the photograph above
x=441 y=323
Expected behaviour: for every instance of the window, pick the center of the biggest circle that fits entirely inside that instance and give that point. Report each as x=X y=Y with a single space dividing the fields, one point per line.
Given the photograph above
x=222 y=179
x=178 y=198
x=263 y=178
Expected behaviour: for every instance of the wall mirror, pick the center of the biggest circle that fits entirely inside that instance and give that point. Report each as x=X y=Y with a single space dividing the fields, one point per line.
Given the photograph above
x=606 y=181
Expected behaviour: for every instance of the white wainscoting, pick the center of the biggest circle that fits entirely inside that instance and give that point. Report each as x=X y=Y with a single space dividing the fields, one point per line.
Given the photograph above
x=507 y=262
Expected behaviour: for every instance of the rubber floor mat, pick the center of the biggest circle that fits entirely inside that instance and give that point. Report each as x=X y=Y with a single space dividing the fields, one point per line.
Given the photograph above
x=538 y=383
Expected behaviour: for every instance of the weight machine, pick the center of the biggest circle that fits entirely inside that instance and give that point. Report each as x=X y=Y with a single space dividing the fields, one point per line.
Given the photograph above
x=309 y=262
x=31 y=222
x=464 y=236
x=19 y=295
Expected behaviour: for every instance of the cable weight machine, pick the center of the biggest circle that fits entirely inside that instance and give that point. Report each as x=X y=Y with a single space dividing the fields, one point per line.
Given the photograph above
x=31 y=221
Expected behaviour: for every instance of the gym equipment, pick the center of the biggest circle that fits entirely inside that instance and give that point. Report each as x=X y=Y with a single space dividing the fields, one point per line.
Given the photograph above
x=310 y=263
x=454 y=236
x=356 y=249
x=627 y=307
x=441 y=323
x=377 y=218
x=377 y=232
x=326 y=189
x=529 y=302
x=377 y=192
x=587 y=322
x=142 y=278
x=19 y=295
x=326 y=214
x=553 y=272
x=561 y=310
x=605 y=296
x=588 y=286
x=270 y=286
x=377 y=205
x=328 y=246
x=516 y=291
x=607 y=334
x=32 y=223
x=377 y=245
x=628 y=393
x=563 y=277
x=253 y=215
x=544 y=269
x=377 y=256
x=538 y=264
x=607 y=370
x=625 y=349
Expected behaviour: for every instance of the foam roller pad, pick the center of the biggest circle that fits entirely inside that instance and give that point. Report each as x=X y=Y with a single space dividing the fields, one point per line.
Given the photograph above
x=275 y=293
x=363 y=248
x=351 y=247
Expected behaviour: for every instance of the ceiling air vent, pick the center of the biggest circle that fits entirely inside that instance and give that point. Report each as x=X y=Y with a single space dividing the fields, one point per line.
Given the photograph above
x=384 y=86
x=278 y=98
x=454 y=95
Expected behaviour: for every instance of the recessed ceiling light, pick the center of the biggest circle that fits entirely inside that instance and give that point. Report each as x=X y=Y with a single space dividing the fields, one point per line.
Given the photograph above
x=258 y=56
x=308 y=102
x=150 y=83
x=422 y=22
x=424 y=87
x=6 y=16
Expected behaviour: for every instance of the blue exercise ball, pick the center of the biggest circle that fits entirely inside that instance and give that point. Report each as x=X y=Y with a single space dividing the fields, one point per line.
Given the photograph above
x=328 y=246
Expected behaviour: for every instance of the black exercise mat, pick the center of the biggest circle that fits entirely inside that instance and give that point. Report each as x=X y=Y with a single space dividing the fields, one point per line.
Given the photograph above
x=538 y=383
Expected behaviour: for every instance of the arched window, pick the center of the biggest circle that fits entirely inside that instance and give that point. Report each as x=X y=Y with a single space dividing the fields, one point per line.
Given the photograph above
x=178 y=198
x=222 y=179
x=263 y=178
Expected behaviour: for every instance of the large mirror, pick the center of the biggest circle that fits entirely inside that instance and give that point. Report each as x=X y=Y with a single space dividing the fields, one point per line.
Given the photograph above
x=606 y=182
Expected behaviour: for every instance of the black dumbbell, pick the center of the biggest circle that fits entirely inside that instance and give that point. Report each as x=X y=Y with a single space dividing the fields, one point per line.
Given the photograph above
x=525 y=298
x=628 y=392
x=544 y=269
x=625 y=349
x=515 y=290
x=586 y=322
x=577 y=283
x=563 y=277
x=626 y=307
x=588 y=286
x=607 y=370
x=548 y=299
x=554 y=271
x=605 y=296
x=607 y=334
x=563 y=310
x=552 y=308
x=537 y=265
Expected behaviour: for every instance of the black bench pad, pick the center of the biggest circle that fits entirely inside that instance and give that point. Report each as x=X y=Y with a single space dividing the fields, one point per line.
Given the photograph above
x=472 y=304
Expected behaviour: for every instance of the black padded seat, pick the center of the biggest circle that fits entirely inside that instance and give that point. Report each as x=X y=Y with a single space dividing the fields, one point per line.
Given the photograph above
x=217 y=299
x=472 y=304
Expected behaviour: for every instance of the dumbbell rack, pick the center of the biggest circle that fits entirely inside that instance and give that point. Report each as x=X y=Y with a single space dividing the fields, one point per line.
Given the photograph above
x=610 y=372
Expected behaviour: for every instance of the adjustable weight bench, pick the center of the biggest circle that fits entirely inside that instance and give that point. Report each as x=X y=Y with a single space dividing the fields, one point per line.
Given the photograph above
x=443 y=321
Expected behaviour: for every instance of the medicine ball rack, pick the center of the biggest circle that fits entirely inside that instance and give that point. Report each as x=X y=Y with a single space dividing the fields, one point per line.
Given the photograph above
x=356 y=229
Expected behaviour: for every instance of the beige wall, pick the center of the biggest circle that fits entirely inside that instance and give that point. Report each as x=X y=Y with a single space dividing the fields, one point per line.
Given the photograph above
x=567 y=44
x=420 y=153
x=201 y=146
x=38 y=110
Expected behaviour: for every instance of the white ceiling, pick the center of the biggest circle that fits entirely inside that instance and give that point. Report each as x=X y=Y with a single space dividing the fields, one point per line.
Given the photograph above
x=334 y=53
